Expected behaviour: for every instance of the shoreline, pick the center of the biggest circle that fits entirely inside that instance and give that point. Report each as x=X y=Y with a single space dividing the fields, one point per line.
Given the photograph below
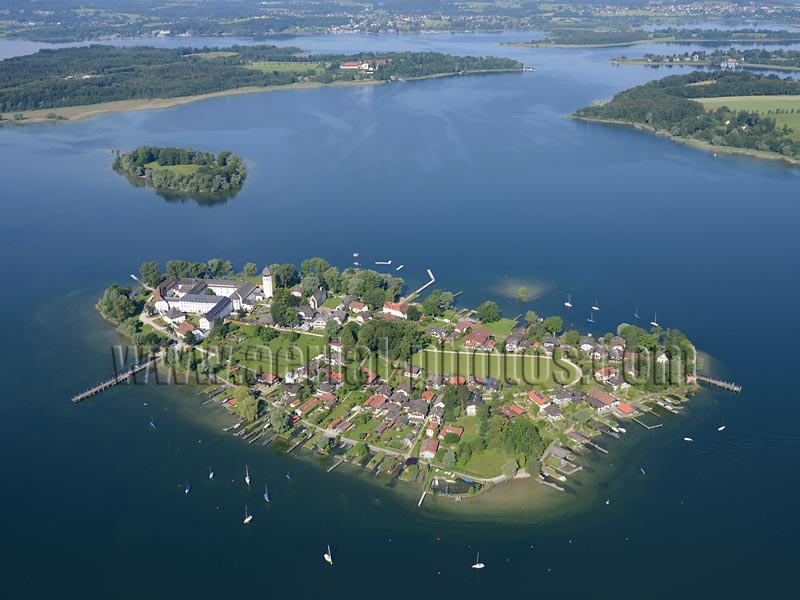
x=698 y=144
x=640 y=42
x=85 y=111
x=640 y=62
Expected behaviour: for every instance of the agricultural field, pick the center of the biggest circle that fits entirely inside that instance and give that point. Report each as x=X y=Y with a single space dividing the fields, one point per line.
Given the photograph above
x=177 y=169
x=287 y=67
x=763 y=105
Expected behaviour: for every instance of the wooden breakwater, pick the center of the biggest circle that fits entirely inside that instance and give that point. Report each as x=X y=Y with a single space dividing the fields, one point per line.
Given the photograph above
x=119 y=378
x=725 y=385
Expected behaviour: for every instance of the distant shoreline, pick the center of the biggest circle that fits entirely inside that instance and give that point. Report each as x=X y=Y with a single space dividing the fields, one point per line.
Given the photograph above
x=700 y=145
x=78 y=113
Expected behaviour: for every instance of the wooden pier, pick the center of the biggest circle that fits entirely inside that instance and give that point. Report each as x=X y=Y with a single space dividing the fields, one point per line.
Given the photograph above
x=645 y=425
x=418 y=291
x=336 y=464
x=102 y=387
x=725 y=385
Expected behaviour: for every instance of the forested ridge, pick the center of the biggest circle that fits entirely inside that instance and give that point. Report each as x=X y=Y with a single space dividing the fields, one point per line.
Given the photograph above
x=669 y=105
x=94 y=74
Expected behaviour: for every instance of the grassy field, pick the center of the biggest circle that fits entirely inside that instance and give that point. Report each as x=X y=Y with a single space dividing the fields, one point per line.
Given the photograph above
x=499 y=329
x=286 y=67
x=528 y=369
x=177 y=169
x=762 y=105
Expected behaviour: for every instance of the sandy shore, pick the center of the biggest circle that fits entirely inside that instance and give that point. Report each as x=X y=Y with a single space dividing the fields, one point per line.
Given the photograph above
x=698 y=143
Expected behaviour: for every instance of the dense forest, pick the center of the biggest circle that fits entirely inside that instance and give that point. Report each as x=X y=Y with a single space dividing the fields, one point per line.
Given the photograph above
x=94 y=74
x=211 y=174
x=667 y=105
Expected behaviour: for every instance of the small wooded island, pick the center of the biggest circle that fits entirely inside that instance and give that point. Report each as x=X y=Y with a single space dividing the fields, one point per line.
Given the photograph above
x=720 y=111
x=182 y=170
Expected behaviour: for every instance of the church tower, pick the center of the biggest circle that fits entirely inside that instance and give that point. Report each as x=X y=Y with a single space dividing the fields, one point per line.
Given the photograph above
x=266 y=282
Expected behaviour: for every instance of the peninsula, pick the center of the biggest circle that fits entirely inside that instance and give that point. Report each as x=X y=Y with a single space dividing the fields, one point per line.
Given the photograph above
x=590 y=38
x=76 y=82
x=753 y=58
x=720 y=111
x=337 y=361
x=182 y=170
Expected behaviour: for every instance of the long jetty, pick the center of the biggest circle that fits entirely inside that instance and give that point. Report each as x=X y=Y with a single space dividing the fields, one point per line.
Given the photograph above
x=418 y=291
x=102 y=387
x=725 y=385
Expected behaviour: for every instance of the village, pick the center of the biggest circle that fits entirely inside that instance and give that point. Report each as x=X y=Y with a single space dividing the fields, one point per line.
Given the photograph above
x=476 y=404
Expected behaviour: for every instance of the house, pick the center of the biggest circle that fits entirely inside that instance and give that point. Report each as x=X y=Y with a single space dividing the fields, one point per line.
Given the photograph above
x=604 y=374
x=358 y=307
x=317 y=299
x=428 y=448
x=490 y=383
x=428 y=396
x=586 y=344
x=417 y=411
x=307 y=407
x=437 y=332
x=306 y=313
x=508 y=413
x=435 y=381
x=615 y=355
x=298 y=291
x=561 y=398
x=550 y=342
x=624 y=408
x=553 y=413
x=463 y=326
x=396 y=309
x=350 y=65
x=456 y=380
x=577 y=396
x=560 y=452
x=412 y=372
x=372 y=377
x=431 y=429
x=375 y=402
x=174 y=316
x=517 y=409
x=186 y=327
x=606 y=401
x=598 y=353
x=404 y=388
x=436 y=415
x=384 y=390
x=662 y=358
x=408 y=441
x=618 y=343
x=363 y=318
x=618 y=382
x=512 y=342
x=540 y=398
x=268 y=378
x=456 y=431
x=473 y=403
x=479 y=339
x=328 y=400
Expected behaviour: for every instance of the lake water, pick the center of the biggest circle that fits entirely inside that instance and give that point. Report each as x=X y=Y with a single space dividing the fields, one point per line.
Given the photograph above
x=482 y=180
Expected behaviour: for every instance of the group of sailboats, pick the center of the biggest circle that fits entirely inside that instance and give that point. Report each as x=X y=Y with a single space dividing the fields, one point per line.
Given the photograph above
x=596 y=308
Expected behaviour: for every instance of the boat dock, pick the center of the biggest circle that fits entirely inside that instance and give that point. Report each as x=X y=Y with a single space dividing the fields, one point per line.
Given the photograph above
x=418 y=291
x=336 y=464
x=596 y=447
x=102 y=387
x=725 y=385
x=645 y=425
x=422 y=498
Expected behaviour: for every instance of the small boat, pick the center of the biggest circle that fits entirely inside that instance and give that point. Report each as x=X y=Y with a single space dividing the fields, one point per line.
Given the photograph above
x=383 y=262
x=328 y=556
x=187 y=489
x=210 y=473
x=355 y=264
x=594 y=306
x=246 y=475
x=400 y=267
x=721 y=428
x=622 y=430
x=478 y=564
x=266 y=494
x=608 y=501
x=654 y=322
x=247 y=516
x=636 y=312
x=568 y=303
x=591 y=317
x=642 y=470
x=688 y=439
x=355 y=254
x=152 y=423
x=288 y=476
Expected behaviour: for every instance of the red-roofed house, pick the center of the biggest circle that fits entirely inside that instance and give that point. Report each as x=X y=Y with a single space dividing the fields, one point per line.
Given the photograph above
x=428 y=448
x=358 y=307
x=328 y=400
x=428 y=396
x=480 y=339
x=375 y=402
x=605 y=374
x=456 y=380
x=457 y=431
x=372 y=376
x=307 y=406
x=431 y=429
x=396 y=309
x=625 y=409
x=539 y=397
x=268 y=378
x=463 y=326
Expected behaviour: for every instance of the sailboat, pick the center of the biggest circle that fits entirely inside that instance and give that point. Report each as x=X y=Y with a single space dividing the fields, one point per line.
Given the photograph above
x=152 y=423
x=688 y=439
x=654 y=322
x=478 y=564
x=266 y=493
x=187 y=489
x=721 y=428
x=288 y=476
x=591 y=317
x=246 y=475
x=247 y=516
x=636 y=312
x=355 y=254
x=642 y=470
x=328 y=556
x=210 y=473
x=594 y=306
x=568 y=303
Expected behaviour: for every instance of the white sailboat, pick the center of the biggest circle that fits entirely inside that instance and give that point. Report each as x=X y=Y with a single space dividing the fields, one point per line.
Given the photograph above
x=636 y=312
x=210 y=473
x=478 y=564
x=568 y=303
x=247 y=516
x=328 y=556
x=246 y=475
x=688 y=439
x=654 y=322
x=595 y=306
x=721 y=428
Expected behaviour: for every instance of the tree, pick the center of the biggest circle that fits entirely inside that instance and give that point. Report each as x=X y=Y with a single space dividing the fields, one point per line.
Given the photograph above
x=510 y=468
x=450 y=438
x=189 y=338
x=215 y=266
x=279 y=420
x=149 y=273
x=449 y=460
x=554 y=324
x=117 y=304
x=250 y=269
x=331 y=330
x=284 y=275
x=522 y=294
x=414 y=313
x=447 y=299
x=531 y=317
x=315 y=266
x=432 y=305
x=489 y=312
x=246 y=404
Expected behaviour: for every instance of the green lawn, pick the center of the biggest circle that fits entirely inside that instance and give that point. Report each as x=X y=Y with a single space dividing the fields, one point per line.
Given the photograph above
x=286 y=67
x=532 y=370
x=488 y=463
x=331 y=302
x=177 y=169
x=499 y=329
x=763 y=104
x=280 y=355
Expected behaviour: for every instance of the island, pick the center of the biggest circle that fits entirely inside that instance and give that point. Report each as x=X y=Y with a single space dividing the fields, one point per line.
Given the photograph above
x=752 y=58
x=72 y=83
x=182 y=170
x=341 y=363
x=719 y=111
x=600 y=38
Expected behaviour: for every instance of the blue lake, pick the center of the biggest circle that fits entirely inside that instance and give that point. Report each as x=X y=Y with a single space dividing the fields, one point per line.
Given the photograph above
x=481 y=179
